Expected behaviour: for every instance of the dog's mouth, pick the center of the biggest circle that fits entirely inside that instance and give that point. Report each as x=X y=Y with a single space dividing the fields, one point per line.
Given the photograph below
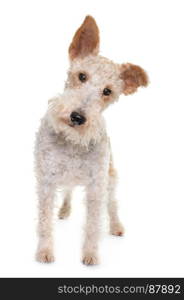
x=75 y=125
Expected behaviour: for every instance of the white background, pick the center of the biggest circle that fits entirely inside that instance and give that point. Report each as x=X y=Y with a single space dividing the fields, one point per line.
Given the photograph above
x=146 y=130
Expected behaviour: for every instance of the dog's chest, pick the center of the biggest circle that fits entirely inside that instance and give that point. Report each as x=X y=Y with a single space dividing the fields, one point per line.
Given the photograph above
x=66 y=163
x=74 y=164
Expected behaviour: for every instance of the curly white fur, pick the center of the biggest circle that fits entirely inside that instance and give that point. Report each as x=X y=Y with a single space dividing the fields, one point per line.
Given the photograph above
x=68 y=155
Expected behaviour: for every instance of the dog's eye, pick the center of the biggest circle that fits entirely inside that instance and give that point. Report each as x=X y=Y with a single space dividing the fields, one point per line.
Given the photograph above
x=107 y=92
x=82 y=77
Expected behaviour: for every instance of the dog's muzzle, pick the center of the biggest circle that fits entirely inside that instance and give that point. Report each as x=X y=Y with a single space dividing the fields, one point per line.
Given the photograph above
x=77 y=119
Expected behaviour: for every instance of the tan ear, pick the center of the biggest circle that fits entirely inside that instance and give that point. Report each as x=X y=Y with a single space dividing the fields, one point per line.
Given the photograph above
x=133 y=76
x=85 y=40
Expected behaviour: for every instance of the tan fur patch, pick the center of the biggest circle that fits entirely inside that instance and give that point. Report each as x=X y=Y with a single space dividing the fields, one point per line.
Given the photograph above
x=85 y=40
x=133 y=77
x=112 y=171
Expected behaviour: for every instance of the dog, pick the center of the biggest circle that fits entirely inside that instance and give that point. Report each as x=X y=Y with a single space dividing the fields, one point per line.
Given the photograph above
x=72 y=147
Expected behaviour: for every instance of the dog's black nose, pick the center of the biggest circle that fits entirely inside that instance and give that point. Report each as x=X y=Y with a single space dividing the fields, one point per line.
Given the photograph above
x=77 y=119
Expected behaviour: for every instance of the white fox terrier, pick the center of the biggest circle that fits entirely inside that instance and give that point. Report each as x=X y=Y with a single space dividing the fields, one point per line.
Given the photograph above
x=72 y=146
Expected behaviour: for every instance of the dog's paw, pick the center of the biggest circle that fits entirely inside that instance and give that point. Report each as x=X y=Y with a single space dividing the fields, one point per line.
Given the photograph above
x=90 y=260
x=117 y=229
x=64 y=212
x=45 y=256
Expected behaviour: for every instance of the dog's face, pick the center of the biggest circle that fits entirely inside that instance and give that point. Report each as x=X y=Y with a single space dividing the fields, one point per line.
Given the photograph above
x=93 y=83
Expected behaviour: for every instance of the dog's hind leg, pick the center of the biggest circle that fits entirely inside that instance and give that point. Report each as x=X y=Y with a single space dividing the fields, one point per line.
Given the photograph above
x=65 y=209
x=116 y=227
x=46 y=193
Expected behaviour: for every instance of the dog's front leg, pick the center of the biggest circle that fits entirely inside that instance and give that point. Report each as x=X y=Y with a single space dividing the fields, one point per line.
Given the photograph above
x=95 y=195
x=46 y=192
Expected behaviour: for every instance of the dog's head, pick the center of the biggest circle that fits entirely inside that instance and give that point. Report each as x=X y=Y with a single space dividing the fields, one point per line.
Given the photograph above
x=93 y=83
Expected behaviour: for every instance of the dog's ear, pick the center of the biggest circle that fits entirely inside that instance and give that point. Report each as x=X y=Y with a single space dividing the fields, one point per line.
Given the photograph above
x=133 y=76
x=85 y=40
